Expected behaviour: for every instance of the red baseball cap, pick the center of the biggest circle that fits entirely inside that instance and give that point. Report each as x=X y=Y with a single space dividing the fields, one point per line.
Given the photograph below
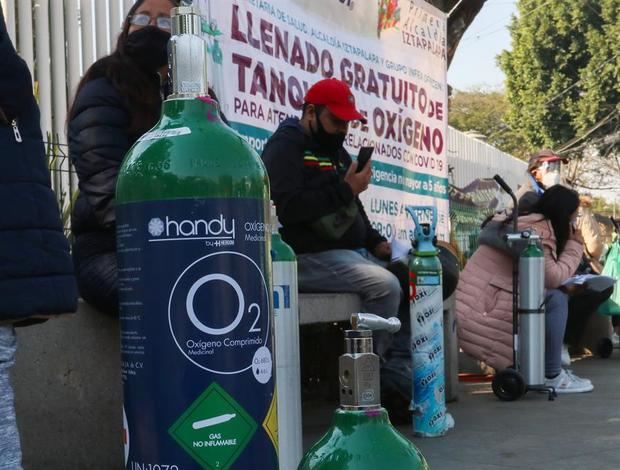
x=337 y=97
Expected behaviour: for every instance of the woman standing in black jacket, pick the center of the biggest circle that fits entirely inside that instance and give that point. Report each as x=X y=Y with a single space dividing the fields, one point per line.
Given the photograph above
x=118 y=100
x=36 y=275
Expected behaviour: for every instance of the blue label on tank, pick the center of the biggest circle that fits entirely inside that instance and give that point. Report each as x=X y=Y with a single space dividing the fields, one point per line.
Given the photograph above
x=196 y=334
x=282 y=296
x=428 y=280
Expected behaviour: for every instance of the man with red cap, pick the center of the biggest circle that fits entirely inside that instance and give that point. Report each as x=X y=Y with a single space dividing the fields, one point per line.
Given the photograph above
x=315 y=187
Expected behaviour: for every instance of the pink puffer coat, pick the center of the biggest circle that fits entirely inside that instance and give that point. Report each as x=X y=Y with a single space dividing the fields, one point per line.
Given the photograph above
x=484 y=293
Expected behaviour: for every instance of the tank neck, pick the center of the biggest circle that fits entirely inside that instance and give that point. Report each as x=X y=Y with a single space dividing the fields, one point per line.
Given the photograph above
x=187 y=54
x=426 y=254
x=273 y=220
x=192 y=108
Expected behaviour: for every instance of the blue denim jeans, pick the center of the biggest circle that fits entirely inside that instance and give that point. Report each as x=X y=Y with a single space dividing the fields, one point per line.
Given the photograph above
x=356 y=272
x=556 y=314
x=10 y=451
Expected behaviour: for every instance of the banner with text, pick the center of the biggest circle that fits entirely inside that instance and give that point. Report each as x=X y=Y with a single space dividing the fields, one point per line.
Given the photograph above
x=264 y=55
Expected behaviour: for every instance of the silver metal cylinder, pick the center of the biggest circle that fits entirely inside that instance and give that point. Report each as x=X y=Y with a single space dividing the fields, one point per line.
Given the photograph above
x=532 y=319
x=358 y=341
x=187 y=54
x=185 y=20
x=359 y=372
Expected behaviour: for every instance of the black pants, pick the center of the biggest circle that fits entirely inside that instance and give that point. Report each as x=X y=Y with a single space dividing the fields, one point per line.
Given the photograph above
x=580 y=308
x=96 y=269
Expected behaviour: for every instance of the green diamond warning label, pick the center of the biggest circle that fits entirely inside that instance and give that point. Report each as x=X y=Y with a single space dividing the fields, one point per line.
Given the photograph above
x=215 y=429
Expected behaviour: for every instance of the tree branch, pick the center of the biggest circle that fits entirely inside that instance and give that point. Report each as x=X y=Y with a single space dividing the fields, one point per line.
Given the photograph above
x=459 y=21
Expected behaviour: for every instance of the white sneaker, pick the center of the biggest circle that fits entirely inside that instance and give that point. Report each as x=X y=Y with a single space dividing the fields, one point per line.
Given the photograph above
x=575 y=377
x=568 y=383
x=565 y=356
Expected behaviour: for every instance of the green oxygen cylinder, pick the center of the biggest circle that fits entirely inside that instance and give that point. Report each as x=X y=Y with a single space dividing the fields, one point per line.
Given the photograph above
x=361 y=436
x=286 y=327
x=194 y=279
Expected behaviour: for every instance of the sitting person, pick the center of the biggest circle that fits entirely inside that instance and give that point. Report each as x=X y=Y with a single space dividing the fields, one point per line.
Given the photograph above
x=117 y=100
x=593 y=239
x=543 y=172
x=315 y=187
x=484 y=293
x=584 y=304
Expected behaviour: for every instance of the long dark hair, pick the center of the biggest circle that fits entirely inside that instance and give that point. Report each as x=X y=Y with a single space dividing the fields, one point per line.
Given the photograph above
x=140 y=89
x=558 y=204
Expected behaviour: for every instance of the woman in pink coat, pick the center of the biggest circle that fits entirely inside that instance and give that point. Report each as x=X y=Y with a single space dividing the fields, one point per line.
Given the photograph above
x=484 y=293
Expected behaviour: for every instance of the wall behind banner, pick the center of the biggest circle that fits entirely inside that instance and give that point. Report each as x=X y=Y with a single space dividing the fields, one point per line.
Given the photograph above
x=265 y=55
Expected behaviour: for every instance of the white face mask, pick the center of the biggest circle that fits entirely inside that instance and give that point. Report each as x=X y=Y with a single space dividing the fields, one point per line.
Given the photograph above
x=551 y=179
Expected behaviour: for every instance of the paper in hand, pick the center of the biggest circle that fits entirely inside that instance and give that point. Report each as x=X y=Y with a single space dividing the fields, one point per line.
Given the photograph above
x=593 y=282
x=400 y=249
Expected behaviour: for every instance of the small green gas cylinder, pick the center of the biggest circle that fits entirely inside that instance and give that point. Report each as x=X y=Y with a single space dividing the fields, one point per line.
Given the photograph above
x=194 y=280
x=361 y=436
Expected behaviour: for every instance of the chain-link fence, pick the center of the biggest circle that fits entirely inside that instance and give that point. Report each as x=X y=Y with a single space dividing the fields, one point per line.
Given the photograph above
x=63 y=179
x=465 y=221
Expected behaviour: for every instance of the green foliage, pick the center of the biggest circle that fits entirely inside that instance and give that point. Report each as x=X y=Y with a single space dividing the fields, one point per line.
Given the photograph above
x=563 y=72
x=485 y=112
x=602 y=206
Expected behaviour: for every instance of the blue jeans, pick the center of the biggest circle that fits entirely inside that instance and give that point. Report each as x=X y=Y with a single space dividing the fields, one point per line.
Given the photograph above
x=556 y=314
x=357 y=272
x=10 y=451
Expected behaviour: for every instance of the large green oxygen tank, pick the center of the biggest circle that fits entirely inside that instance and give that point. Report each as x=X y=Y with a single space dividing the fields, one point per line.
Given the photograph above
x=194 y=281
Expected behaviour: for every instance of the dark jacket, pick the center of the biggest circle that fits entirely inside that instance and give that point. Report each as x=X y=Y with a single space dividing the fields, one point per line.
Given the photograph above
x=36 y=272
x=98 y=141
x=307 y=184
x=528 y=195
x=100 y=136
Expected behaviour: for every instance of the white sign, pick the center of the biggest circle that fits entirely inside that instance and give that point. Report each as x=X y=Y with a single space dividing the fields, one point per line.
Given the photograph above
x=264 y=55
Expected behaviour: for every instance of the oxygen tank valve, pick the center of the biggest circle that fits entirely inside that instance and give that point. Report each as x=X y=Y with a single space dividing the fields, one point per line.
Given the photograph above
x=187 y=54
x=522 y=239
x=359 y=365
x=370 y=321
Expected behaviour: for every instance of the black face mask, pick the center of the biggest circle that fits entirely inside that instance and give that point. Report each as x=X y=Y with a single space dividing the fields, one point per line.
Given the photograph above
x=329 y=142
x=148 y=48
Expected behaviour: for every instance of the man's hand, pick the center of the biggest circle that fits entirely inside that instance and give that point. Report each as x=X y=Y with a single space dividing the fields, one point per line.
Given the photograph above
x=383 y=251
x=358 y=181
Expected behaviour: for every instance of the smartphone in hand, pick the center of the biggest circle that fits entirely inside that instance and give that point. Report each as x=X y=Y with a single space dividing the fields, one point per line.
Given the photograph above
x=363 y=156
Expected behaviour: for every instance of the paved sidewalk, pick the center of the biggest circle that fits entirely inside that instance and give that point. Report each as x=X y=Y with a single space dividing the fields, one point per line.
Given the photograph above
x=574 y=432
